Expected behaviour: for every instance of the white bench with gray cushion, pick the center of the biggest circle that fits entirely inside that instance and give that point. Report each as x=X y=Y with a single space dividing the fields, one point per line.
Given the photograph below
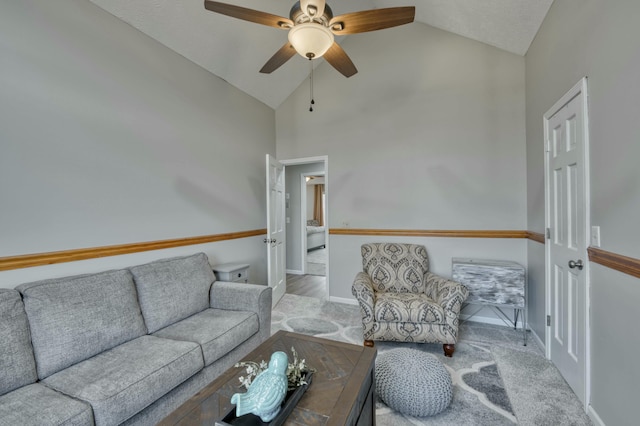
x=125 y=346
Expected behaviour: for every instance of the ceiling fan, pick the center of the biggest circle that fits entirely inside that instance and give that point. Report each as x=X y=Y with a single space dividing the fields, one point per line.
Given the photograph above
x=312 y=27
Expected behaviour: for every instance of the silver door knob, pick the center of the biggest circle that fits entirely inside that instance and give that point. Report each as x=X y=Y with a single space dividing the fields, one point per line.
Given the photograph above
x=576 y=264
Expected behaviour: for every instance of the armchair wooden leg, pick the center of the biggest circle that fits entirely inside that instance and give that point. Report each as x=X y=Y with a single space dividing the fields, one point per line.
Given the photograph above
x=368 y=343
x=448 y=350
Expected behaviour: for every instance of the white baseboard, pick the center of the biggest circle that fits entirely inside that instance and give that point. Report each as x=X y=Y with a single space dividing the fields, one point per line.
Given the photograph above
x=343 y=300
x=595 y=418
x=538 y=341
x=294 y=272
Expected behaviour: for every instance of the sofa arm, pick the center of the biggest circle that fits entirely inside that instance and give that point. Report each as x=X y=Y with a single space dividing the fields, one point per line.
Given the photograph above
x=244 y=297
x=447 y=293
x=362 y=290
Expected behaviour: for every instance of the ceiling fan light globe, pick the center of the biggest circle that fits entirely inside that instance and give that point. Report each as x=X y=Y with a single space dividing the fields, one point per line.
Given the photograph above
x=311 y=40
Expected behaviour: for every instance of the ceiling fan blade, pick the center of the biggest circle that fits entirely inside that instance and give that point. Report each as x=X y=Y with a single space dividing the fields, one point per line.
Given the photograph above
x=338 y=58
x=281 y=56
x=372 y=20
x=249 y=14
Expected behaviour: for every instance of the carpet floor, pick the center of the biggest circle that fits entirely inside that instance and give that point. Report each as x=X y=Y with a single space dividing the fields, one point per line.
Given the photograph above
x=496 y=380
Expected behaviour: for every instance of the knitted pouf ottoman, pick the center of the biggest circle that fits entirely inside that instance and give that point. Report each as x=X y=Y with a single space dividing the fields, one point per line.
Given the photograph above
x=412 y=382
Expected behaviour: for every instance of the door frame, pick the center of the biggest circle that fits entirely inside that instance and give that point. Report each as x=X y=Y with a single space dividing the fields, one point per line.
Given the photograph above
x=308 y=160
x=276 y=238
x=577 y=89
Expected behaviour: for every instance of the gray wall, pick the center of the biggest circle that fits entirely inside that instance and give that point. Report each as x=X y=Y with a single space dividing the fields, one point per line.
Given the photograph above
x=601 y=40
x=108 y=137
x=427 y=136
x=294 y=227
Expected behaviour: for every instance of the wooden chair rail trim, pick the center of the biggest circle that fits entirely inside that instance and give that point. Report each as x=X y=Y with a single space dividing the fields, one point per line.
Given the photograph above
x=536 y=236
x=430 y=233
x=627 y=265
x=39 y=259
x=624 y=264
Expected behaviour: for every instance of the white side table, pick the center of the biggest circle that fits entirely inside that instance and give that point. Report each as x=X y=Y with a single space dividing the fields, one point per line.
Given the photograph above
x=496 y=284
x=234 y=272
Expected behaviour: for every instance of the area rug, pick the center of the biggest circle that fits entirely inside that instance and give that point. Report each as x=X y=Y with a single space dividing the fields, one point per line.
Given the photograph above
x=495 y=378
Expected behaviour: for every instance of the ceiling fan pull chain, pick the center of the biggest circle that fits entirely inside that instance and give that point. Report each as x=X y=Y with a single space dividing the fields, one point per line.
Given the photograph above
x=311 y=87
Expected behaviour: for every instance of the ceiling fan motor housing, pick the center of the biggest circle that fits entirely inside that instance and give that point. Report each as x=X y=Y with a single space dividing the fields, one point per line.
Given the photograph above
x=298 y=15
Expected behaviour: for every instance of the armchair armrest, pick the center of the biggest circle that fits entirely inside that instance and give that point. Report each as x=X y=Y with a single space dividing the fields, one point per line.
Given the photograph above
x=244 y=297
x=447 y=293
x=362 y=290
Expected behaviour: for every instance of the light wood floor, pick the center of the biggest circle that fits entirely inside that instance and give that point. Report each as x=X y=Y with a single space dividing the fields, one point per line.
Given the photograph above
x=307 y=285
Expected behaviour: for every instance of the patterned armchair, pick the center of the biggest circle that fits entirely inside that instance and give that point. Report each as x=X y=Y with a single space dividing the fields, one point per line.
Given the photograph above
x=400 y=300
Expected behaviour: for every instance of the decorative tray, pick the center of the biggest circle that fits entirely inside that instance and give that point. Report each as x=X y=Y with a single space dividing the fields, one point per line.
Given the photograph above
x=290 y=401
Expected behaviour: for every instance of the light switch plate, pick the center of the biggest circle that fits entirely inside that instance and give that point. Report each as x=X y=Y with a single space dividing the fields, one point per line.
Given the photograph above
x=595 y=236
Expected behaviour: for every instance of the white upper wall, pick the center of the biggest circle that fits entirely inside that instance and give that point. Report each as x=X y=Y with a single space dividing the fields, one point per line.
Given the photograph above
x=108 y=137
x=600 y=40
x=428 y=135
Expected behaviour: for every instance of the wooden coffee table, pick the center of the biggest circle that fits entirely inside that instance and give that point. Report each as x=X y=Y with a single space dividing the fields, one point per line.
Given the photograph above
x=341 y=391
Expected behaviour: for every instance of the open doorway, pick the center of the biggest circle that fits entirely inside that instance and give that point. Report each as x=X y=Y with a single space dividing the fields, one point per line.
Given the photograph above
x=313 y=208
x=306 y=216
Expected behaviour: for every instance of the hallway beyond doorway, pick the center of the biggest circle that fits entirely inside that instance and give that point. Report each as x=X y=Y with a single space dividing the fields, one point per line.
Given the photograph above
x=317 y=262
x=307 y=285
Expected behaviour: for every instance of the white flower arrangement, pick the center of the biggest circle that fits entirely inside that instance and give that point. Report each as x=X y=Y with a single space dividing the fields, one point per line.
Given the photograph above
x=296 y=371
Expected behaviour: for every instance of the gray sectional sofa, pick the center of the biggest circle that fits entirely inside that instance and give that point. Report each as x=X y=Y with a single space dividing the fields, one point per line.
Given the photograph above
x=124 y=346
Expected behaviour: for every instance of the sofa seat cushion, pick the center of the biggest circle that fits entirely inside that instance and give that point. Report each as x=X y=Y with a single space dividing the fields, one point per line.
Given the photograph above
x=217 y=331
x=75 y=318
x=17 y=366
x=407 y=307
x=122 y=381
x=37 y=405
x=173 y=289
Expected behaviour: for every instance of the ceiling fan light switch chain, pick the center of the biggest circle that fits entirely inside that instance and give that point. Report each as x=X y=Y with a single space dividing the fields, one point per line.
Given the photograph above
x=311 y=102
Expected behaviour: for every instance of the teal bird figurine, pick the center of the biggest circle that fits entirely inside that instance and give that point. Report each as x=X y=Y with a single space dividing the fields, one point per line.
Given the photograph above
x=266 y=392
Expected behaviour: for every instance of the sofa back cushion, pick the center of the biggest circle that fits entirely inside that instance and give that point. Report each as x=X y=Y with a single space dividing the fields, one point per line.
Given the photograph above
x=173 y=289
x=395 y=267
x=75 y=318
x=17 y=366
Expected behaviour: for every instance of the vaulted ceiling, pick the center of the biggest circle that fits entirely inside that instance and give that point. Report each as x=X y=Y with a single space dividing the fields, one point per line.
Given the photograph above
x=235 y=50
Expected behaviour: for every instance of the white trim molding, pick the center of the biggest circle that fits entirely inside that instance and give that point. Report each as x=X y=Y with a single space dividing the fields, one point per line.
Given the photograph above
x=595 y=418
x=343 y=300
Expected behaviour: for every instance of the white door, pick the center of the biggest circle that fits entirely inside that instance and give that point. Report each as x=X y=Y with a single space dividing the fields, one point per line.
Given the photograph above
x=275 y=240
x=567 y=222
